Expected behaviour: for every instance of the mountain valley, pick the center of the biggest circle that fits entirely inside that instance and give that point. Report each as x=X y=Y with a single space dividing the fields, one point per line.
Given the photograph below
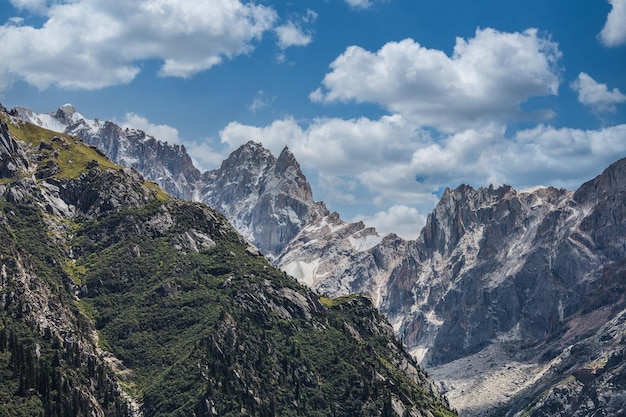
x=513 y=300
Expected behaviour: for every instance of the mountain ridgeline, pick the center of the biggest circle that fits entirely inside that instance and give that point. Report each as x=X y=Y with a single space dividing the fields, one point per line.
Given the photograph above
x=119 y=300
x=514 y=299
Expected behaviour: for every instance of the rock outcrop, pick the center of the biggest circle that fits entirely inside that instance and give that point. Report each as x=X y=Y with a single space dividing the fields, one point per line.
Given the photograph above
x=268 y=199
x=494 y=296
x=12 y=158
x=119 y=300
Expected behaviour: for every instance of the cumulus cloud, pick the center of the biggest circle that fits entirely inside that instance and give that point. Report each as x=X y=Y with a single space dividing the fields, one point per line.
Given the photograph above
x=596 y=95
x=543 y=155
x=161 y=132
x=614 y=31
x=397 y=164
x=290 y=34
x=486 y=79
x=328 y=143
x=404 y=221
x=88 y=44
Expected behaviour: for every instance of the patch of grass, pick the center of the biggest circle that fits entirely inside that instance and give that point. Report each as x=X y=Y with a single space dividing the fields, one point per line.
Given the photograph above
x=73 y=160
x=333 y=302
x=160 y=194
x=75 y=271
x=71 y=154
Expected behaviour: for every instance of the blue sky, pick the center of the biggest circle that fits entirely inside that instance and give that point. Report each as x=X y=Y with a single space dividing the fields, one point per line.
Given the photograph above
x=384 y=102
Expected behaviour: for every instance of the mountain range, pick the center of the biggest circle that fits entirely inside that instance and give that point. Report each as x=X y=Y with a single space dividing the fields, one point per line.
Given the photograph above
x=512 y=299
x=117 y=299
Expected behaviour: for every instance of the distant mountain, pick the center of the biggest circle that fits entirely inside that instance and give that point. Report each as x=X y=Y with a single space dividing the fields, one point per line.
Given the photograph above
x=512 y=299
x=503 y=287
x=267 y=199
x=119 y=300
x=168 y=165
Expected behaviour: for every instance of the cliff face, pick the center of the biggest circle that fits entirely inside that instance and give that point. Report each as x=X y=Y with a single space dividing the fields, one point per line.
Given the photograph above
x=503 y=289
x=117 y=299
x=494 y=296
x=268 y=199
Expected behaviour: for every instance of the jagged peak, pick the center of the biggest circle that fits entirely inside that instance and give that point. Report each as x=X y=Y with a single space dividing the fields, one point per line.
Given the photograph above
x=481 y=195
x=287 y=160
x=250 y=153
x=611 y=181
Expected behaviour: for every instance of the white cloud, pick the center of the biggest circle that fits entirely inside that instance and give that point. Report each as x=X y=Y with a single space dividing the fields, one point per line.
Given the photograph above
x=310 y=16
x=486 y=79
x=388 y=162
x=542 y=155
x=597 y=95
x=291 y=34
x=87 y=44
x=328 y=144
x=614 y=31
x=163 y=133
x=204 y=157
x=260 y=101
x=404 y=221
x=35 y=6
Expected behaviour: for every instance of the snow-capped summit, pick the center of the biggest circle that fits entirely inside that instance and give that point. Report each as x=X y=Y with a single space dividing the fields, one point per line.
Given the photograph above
x=168 y=165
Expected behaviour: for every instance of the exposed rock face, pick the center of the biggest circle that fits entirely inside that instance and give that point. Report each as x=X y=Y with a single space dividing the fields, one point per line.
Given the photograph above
x=196 y=323
x=339 y=258
x=495 y=263
x=268 y=199
x=495 y=295
x=517 y=279
x=12 y=157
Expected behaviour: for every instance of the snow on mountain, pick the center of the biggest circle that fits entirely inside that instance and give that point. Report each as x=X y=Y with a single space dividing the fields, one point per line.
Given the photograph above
x=498 y=288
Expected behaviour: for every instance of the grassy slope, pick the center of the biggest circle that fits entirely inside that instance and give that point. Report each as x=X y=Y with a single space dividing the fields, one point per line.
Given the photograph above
x=204 y=331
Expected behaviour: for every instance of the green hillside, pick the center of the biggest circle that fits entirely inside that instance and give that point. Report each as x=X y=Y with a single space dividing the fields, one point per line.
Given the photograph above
x=118 y=300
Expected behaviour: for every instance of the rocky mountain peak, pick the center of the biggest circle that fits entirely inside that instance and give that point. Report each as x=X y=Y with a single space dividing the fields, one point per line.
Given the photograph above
x=459 y=211
x=250 y=156
x=286 y=160
x=268 y=199
x=611 y=181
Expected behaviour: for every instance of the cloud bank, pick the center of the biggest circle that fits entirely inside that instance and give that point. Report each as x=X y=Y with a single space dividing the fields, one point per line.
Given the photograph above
x=447 y=125
x=400 y=165
x=614 y=31
x=486 y=79
x=91 y=44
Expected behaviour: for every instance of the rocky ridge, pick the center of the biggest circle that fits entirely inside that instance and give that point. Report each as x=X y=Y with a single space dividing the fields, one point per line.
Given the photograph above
x=495 y=269
x=268 y=199
x=94 y=258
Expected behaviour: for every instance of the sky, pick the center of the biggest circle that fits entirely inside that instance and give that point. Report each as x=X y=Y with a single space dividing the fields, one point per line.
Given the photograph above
x=384 y=103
